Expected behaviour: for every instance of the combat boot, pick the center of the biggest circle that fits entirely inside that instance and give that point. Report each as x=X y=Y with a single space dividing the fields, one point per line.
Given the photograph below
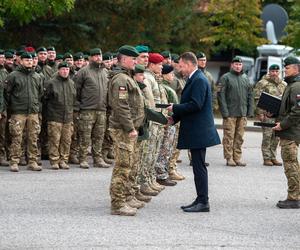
x=133 y=202
x=146 y=190
x=241 y=163
x=166 y=182
x=175 y=176
x=139 y=196
x=100 y=163
x=64 y=165
x=268 y=163
x=4 y=162
x=34 y=167
x=84 y=165
x=23 y=161
x=54 y=166
x=125 y=210
x=14 y=167
x=276 y=163
x=73 y=159
x=157 y=186
x=231 y=163
x=287 y=204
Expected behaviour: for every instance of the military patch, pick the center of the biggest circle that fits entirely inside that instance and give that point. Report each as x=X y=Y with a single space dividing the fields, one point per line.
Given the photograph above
x=123 y=94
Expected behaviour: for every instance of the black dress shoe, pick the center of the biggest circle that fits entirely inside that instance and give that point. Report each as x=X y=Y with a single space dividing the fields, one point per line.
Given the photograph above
x=199 y=207
x=187 y=206
x=288 y=204
x=166 y=182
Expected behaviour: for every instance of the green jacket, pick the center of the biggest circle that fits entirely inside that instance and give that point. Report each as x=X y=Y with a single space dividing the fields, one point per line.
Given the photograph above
x=171 y=94
x=289 y=113
x=91 y=86
x=60 y=96
x=23 y=91
x=235 y=96
x=3 y=75
x=126 y=102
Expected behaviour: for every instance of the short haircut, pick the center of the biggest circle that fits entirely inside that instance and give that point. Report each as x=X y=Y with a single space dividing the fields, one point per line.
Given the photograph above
x=189 y=57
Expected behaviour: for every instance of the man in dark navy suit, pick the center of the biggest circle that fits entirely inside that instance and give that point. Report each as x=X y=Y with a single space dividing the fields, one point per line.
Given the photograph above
x=197 y=129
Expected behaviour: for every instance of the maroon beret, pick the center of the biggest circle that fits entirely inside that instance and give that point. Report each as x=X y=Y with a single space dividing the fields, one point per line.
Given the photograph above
x=155 y=58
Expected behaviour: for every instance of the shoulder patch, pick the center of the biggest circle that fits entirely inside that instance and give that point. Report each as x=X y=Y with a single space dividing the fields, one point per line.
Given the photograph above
x=123 y=93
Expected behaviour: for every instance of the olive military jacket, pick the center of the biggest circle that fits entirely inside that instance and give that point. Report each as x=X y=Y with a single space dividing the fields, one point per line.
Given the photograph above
x=60 y=96
x=289 y=113
x=3 y=75
x=126 y=102
x=235 y=96
x=23 y=91
x=92 y=86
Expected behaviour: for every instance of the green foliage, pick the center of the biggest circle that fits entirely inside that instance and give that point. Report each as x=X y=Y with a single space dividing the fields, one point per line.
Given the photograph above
x=236 y=25
x=25 y=11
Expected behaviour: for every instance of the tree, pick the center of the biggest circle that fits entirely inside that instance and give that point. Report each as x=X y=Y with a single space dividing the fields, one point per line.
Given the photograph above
x=235 y=25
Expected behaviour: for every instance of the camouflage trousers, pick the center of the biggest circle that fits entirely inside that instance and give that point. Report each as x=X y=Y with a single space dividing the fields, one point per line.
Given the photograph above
x=165 y=152
x=92 y=125
x=176 y=152
x=269 y=142
x=289 y=154
x=125 y=170
x=107 y=146
x=74 y=148
x=59 y=137
x=149 y=154
x=3 y=145
x=234 y=128
x=17 y=124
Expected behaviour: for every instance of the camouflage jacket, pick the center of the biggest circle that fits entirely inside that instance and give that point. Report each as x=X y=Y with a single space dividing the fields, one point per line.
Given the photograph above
x=152 y=84
x=3 y=75
x=126 y=102
x=269 y=85
x=289 y=113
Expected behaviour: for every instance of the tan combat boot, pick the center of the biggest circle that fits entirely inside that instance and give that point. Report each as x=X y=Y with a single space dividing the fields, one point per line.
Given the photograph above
x=240 y=163
x=64 y=165
x=73 y=159
x=34 y=167
x=133 y=202
x=54 y=166
x=175 y=176
x=125 y=210
x=157 y=185
x=146 y=190
x=14 y=167
x=100 y=163
x=276 y=163
x=268 y=163
x=230 y=162
x=84 y=165
x=139 y=196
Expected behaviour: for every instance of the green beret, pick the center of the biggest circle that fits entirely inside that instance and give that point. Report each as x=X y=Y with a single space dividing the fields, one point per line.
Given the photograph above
x=166 y=54
x=86 y=57
x=78 y=55
x=33 y=54
x=95 y=51
x=1 y=52
x=274 y=67
x=175 y=58
x=237 y=59
x=142 y=48
x=41 y=49
x=67 y=55
x=128 y=50
x=20 y=52
x=114 y=54
x=26 y=55
x=201 y=55
x=50 y=48
x=63 y=65
x=12 y=51
x=59 y=57
x=139 y=69
x=107 y=56
x=8 y=54
x=291 y=60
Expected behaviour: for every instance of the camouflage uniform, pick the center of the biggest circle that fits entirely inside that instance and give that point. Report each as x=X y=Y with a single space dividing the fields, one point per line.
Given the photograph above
x=127 y=104
x=270 y=141
x=3 y=144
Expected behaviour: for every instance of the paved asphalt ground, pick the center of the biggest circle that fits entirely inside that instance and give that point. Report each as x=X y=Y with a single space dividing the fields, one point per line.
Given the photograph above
x=70 y=209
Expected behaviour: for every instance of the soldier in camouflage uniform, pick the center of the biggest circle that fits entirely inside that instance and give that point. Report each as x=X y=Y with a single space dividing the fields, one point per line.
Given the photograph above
x=91 y=86
x=271 y=84
x=288 y=129
x=127 y=105
x=23 y=94
x=60 y=96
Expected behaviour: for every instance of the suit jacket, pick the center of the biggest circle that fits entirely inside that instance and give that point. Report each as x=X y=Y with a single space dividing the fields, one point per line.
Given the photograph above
x=197 y=128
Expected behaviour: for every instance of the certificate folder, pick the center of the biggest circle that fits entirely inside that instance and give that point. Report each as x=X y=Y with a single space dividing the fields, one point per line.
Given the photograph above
x=270 y=103
x=264 y=124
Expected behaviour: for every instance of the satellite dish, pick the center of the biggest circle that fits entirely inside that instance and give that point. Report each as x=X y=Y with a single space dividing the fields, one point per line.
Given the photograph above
x=275 y=19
